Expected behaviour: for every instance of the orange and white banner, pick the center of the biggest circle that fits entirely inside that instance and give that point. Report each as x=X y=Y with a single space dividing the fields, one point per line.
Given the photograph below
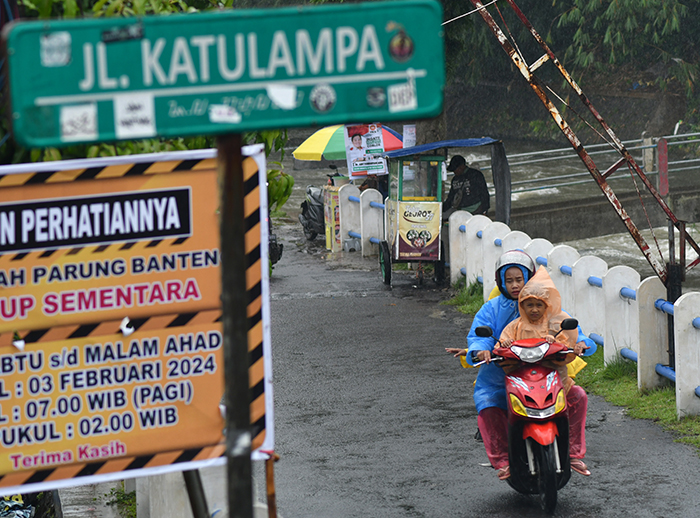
x=84 y=397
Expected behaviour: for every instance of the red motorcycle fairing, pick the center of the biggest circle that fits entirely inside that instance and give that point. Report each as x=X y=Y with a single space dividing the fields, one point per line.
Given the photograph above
x=544 y=433
x=532 y=388
x=534 y=385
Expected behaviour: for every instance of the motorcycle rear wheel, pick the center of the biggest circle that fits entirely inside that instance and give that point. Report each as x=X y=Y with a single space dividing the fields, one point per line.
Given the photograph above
x=546 y=476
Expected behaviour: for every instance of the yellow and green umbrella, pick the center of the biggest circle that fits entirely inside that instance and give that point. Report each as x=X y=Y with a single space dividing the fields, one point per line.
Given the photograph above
x=329 y=143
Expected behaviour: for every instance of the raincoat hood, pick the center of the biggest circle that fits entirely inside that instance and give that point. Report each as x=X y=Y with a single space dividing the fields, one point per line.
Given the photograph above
x=541 y=287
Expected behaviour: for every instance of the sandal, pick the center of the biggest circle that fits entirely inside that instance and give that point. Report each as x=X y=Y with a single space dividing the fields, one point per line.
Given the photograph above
x=580 y=467
x=504 y=473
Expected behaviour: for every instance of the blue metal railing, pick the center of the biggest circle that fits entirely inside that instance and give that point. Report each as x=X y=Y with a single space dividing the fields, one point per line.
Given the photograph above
x=595 y=281
x=352 y=233
x=566 y=270
x=377 y=205
x=354 y=198
x=628 y=293
x=667 y=372
x=596 y=338
x=629 y=354
x=542 y=261
x=664 y=305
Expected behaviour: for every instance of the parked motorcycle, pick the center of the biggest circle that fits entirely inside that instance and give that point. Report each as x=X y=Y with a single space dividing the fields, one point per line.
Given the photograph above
x=538 y=423
x=274 y=248
x=311 y=217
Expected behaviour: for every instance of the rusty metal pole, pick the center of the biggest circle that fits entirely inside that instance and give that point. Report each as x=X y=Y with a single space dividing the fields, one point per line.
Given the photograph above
x=234 y=300
x=674 y=288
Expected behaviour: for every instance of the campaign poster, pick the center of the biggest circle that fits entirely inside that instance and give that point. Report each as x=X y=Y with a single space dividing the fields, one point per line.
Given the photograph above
x=364 y=146
x=331 y=215
x=409 y=135
x=419 y=231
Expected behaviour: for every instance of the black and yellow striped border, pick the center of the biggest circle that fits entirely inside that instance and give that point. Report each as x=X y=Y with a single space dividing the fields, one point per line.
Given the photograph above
x=106 y=172
x=254 y=286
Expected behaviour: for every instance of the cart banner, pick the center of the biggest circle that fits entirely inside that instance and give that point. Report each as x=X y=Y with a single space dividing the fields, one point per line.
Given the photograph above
x=419 y=230
x=364 y=145
x=87 y=251
x=98 y=400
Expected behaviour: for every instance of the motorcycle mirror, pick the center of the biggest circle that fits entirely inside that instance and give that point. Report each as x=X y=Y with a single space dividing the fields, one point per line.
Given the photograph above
x=333 y=167
x=483 y=331
x=568 y=324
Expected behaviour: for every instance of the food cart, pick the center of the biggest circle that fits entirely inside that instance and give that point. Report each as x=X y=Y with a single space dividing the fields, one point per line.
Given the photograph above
x=414 y=215
x=413 y=209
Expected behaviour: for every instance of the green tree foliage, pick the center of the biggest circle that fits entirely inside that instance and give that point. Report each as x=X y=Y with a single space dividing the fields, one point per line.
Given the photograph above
x=611 y=36
x=637 y=34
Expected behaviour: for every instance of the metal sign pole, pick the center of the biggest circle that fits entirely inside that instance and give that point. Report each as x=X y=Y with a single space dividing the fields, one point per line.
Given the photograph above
x=195 y=491
x=235 y=320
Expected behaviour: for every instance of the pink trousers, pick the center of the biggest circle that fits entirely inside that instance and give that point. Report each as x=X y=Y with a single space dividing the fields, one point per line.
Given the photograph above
x=493 y=425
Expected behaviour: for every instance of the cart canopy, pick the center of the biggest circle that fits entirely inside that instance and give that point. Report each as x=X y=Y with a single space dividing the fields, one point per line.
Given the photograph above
x=500 y=169
x=423 y=148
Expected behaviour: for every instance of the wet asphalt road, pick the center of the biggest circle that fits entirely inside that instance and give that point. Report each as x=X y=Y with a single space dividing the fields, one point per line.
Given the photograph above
x=374 y=419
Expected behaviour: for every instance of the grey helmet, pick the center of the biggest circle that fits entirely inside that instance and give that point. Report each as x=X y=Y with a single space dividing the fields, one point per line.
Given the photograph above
x=513 y=258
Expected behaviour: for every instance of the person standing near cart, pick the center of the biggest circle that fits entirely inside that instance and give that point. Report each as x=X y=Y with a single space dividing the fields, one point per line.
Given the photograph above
x=468 y=190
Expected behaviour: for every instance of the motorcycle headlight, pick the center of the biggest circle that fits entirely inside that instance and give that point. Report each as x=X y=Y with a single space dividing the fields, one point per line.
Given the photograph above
x=560 y=403
x=537 y=413
x=517 y=406
x=531 y=354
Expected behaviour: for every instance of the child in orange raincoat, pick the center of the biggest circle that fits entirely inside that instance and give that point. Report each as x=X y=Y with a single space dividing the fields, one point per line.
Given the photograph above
x=541 y=317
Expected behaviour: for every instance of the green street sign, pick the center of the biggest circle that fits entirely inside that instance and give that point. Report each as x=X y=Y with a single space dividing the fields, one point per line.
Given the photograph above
x=229 y=71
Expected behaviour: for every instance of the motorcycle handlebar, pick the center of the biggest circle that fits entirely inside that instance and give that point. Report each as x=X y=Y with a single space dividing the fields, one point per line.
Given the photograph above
x=500 y=358
x=493 y=359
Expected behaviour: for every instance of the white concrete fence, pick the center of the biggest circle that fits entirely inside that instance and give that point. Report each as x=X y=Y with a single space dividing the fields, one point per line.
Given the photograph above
x=614 y=306
x=362 y=217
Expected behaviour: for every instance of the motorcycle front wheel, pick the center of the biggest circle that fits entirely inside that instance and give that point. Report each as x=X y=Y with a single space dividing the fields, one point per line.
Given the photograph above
x=546 y=475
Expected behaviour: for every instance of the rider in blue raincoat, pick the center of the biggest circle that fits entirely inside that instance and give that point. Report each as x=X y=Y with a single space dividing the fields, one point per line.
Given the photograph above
x=496 y=313
x=513 y=270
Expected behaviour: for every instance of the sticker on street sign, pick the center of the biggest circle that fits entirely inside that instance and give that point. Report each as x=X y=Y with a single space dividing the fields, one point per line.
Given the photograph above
x=229 y=71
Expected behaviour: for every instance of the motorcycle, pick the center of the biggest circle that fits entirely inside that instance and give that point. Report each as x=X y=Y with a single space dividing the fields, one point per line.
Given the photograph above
x=538 y=423
x=274 y=248
x=311 y=217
